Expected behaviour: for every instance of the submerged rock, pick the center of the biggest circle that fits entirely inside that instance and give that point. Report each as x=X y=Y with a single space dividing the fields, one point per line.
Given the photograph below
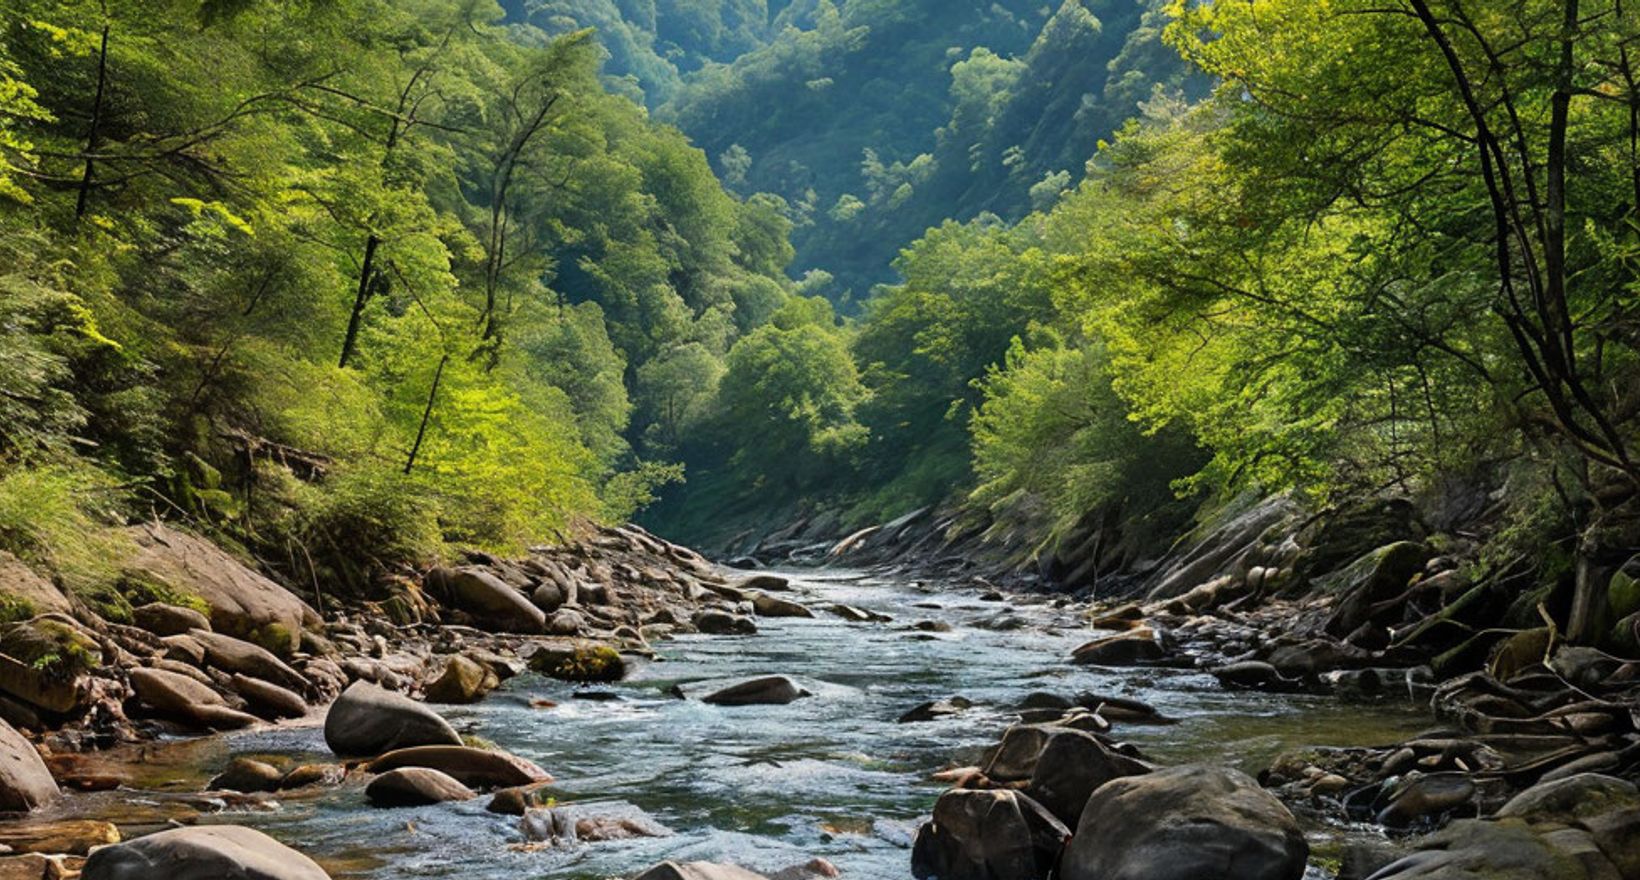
x=1185 y=823
x=769 y=690
x=207 y=852
x=987 y=835
x=936 y=709
x=368 y=720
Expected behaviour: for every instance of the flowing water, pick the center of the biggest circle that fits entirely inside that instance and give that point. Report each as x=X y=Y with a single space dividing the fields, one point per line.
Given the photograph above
x=771 y=786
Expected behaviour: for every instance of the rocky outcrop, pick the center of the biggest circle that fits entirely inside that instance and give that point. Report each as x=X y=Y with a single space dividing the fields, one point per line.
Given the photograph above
x=415 y=787
x=368 y=720
x=243 y=603
x=25 y=783
x=769 y=690
x=27 y=591
x=1185 y=823
x=987 y=835
x=207 y=852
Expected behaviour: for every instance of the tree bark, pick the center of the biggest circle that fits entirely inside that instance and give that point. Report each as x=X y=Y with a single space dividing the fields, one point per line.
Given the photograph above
x=94 y=134
x=426 y=414
x=360 y=299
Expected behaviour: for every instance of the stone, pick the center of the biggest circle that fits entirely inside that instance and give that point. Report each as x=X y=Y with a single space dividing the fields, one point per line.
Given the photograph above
x=243 y=603
x=566 y=622
x=1015 y=757
x=1131 y=648
x=763 y=581
x=1185 y=823
x=491 y=599
x=75 y=837
x=936 y=709
x=773 y=606
x=1508 y=849
x=168 y=620
x=1371 y=580
x=579 y=662
x=722 y=623
x=239 y=656
x=987 y=835
x=368 y=720
x=203 y=852
x=248 y=776
x=185 y=699
x=478 y=768
x=1422 y=799
x=1071 y=766
x=1573 y=798
x=515 y=801
x=697 y=871
x=25 y=782
x=28 y=591
x=464 y=680
x=268 y=699
x=313 y=774
x=415 y=787
x=43 y=662
x=773 y=690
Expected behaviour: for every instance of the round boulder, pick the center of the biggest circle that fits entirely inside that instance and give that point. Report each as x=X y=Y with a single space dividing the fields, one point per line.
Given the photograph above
x=987 y=835
x=770 y=690
x=416 y=787
x=205 y=852
x=480 y=768
x=25 y=783
x=1185 y=823
x=368 y=720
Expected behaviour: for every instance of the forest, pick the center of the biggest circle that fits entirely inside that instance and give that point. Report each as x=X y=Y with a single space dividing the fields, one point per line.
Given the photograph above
x=1316 y=320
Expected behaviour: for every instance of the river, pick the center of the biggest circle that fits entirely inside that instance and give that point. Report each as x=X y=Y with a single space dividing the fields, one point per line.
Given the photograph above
x=833 y=775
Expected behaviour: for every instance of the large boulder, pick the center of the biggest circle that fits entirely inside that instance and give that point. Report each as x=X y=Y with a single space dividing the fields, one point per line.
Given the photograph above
x=774 y=606
x=1134 y=647
x=1372 y=580
x=185 y=699
x=1185 y=823
x=416 y=787
x=479 y=768
x=697 y=871
x=769 y=690
x=243 y=603
x=44 y=662
x=206 y=852
x=368 y=720
x=1071 y=766
x=489 y=598
x=25 y=783
x=987 y=835
x=268 y=699
x=1510 y=849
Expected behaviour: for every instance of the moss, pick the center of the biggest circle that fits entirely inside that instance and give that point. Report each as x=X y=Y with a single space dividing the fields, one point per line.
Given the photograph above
x=275 y=637
x=59 y=650
x=15 y=608
x=584 y=662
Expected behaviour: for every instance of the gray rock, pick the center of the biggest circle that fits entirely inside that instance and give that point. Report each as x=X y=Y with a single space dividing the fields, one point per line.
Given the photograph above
x=769 y=690
x=1185 y=823
x=491 y=599
x=722 y=623
x=987 y=835
x=367 y=720
x=25 y=783
x=479 y=768
x=1071 y=766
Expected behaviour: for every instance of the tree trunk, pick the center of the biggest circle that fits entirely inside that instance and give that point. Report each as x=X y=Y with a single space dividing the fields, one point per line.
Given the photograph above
x=360 y=300
x=93 y=135
x=426 y=414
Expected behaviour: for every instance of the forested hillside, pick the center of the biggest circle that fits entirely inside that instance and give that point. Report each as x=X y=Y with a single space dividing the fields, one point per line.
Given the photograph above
x=378 y=275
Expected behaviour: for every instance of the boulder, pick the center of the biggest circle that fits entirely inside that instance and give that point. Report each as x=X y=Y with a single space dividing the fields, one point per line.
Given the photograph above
x=74 y=837
x=772 y=690
x=185 y=699
x=1014 y=759
x=464 y=680
x=415 y=787
x=243 y=603
x=313 y=774
x=43 y=662
x=479 y=768
x=936 y=709
x=25 y=783
x=268 y=699
x=491 y=599
x=1185 y=823
x=1136 y=646
x=580 y=662
x=28 y=591
x=168 y=620
x=368 y=720
x=1375 y=578
x=1071 y=766
x=1574 y=798
x=205 y=852
x=1425 y=799
x=1509 y=849
x=697 y=871
x=987 y=835
x=238 y=656
x=722 y=623
x=763 y=581
x=248 y=775
x=774 y=606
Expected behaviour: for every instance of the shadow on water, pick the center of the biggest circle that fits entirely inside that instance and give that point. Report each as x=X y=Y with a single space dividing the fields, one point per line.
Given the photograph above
x=772 y=786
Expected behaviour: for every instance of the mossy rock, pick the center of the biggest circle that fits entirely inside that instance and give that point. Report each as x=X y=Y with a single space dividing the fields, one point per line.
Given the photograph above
x=583 y=662
x=15 y=608
x=276 y=638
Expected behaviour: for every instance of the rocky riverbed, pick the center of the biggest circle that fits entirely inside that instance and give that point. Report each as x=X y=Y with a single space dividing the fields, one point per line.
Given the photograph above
x=619 y=707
